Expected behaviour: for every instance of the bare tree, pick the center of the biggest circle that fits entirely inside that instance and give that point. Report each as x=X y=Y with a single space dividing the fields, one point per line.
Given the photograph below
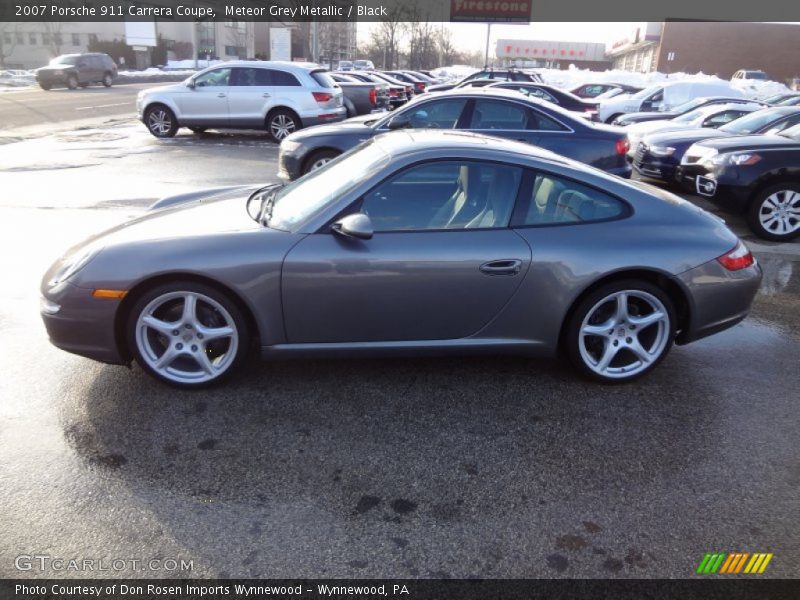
x=236 y=36
x=8 y=41
x=53 y=36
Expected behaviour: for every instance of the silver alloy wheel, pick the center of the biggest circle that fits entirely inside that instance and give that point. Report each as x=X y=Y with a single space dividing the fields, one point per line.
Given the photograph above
x=320 y=162
x=159 y=121
x=281 y=125
x=624 y=333
x=779 y=213
x=188 y=349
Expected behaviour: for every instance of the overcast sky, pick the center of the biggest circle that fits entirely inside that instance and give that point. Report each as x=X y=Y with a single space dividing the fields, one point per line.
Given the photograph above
x=472 y=36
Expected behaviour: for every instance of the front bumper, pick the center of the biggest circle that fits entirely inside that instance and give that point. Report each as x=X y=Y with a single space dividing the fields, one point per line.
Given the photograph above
x=696 y=179
x=718 y=298
x=83 y=324
x=328 y=115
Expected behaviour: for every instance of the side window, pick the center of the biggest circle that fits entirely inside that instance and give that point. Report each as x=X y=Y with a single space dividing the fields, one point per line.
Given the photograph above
x=539 y=93
x=215 y=78
x=494 y=114
x=785 y=124
x=439 y=114
x=538 y=121
x=444 y=195
x=720 y=119
x=242 y=77
x=555 y=201
x=657 y=97
x=282 y=78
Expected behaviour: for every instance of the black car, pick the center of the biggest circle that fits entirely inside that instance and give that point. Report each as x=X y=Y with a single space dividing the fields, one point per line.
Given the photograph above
x=550 y=93
x=419 y=84
x=73 y=70
x=498 y=74
x=659 y=154
x=681 y=109
x=499 y=113
x=758 y=175
x=397 y=92
x=592 y=90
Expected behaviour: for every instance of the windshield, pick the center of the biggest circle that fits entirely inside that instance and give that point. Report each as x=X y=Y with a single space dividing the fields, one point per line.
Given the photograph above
x=751 y=123
x=690 y=105
x=791 y=133
x=610 y=93
x=695 y=115
x=756 y=75
x=65 y=59
x=310 y=194
x=647 y=92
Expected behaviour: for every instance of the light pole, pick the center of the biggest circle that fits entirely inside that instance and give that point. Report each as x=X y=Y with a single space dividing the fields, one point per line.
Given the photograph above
x=486 y=56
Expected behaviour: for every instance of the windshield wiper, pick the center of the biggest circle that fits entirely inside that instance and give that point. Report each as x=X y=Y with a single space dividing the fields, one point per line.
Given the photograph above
x=266 y=196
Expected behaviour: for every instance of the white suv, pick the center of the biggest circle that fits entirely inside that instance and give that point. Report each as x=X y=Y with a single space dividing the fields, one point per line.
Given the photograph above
x=280 y=97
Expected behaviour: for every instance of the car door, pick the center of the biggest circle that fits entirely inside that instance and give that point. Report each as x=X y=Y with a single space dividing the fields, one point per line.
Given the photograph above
x=440 y=265
x=250 y=96
x=207 y=102
x=503 y=118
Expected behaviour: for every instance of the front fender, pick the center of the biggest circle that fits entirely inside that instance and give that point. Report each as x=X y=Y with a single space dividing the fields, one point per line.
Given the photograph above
x=199 y=195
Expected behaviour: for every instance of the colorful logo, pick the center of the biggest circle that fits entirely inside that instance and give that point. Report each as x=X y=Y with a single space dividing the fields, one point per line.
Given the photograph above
x=734 y=563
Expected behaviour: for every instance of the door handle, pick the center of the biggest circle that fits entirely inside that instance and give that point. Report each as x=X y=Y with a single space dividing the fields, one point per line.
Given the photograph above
x=265 y=95
x=502 y=267
x=220 y=95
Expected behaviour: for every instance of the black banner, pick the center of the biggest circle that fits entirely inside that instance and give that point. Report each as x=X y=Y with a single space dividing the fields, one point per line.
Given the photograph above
x=528 y=589
x=498 y=11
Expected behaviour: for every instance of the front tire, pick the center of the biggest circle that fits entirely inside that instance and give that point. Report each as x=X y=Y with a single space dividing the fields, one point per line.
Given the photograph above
x=46 y=86
x=774 y=212
x=72 y=82
x=621 y=331
x=187 y=334
x=281 y=123
x=108 y=80
x=161 y=121
x=319 y=159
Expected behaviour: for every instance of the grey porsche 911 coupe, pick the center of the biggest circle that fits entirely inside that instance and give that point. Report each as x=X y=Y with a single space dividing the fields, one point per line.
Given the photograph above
x=415 y=242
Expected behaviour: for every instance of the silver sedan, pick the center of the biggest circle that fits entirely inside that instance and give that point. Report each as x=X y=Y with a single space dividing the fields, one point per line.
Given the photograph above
x=415 y=242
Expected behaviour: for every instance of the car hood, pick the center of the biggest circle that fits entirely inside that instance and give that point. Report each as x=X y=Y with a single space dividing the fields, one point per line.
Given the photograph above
x=750 y=142
x=441 y=87
x=354 y=126
x=685 y=136
x=171 y=88
x=643 y=117
x=659 y=125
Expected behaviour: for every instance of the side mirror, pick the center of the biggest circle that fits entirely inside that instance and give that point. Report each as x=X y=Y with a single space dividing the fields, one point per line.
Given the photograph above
x=356 y=226
x=398 y=122
x=190 y=84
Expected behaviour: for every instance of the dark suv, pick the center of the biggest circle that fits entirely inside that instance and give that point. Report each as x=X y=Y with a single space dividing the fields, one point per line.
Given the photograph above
x=73 y=70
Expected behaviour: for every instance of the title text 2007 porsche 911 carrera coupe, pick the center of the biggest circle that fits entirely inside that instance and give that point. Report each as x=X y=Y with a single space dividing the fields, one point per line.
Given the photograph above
x=415 y=242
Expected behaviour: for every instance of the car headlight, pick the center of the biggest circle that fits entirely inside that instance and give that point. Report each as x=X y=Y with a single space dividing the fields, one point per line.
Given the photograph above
x=73 y=264
x=736 y=158
x=662 y=150
x=288 y=145
x=696 y=154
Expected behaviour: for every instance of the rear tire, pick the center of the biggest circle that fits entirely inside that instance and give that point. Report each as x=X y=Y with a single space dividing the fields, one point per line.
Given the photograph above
x=319 y=159
x=72 y=82
x=281 y=123
x=774 y=212
x=45 y=86
x=160 y=121
x=188 y=335
x=620 y=331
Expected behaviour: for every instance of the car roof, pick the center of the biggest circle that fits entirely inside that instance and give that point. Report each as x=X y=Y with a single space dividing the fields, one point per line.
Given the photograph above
x=271 y=64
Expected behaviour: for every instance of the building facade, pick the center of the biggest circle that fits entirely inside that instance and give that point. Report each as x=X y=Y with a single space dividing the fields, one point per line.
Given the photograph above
x=713 y=48
x=556 y=55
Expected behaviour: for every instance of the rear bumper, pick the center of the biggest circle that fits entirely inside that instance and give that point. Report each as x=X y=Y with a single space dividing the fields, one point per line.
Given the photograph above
x=718 y=298
x=325 y=116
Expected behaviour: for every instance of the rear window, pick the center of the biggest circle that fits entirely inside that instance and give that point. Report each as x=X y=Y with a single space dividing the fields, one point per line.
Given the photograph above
x=283 y=78
x=323 y=78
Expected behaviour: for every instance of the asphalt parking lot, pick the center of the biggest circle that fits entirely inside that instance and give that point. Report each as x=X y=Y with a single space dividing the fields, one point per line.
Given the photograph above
x=490 y=467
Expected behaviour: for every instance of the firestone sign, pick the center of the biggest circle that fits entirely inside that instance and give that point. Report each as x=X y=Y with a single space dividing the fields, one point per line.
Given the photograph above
x=509 y=11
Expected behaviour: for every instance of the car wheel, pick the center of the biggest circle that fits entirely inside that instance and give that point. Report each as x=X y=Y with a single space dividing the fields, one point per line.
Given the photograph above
x=281 y=123
x=774 y=213
x=45 y=86
x=72 y=82
x=198 y=130
x=621 y=331
x=161 y=121
x=319 y=159
x=187 y=334
x=108 y=80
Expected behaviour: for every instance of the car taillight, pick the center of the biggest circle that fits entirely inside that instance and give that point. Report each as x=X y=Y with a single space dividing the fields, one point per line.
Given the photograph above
x=738 y=258
x=409 y=90
x=419 y=86
x=322 y=96
x=622 y=146
x=373 y=96
x=392 y=93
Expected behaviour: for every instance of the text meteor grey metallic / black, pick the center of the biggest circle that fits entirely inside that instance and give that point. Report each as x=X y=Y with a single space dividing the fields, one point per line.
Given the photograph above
x=415 y=242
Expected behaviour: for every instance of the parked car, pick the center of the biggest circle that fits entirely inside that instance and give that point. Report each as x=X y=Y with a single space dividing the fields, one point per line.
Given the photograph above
x=363 y=65
x=392 y=80
x=345 y=65
x=280 y=97
x=663 y=97
x=712 y=116
x=659 y=155
x=778 y=98
x=497 y=74
x=361 y=98
x=398 y=93
x=793 y=101
x=414 y=243
x=500 y=113
x=426 y=78
x=550 y=93
x=688 y=106
x=592 y=90
x=745 y=77
x=419 y=84
x=73 y=70
x=758 y=175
